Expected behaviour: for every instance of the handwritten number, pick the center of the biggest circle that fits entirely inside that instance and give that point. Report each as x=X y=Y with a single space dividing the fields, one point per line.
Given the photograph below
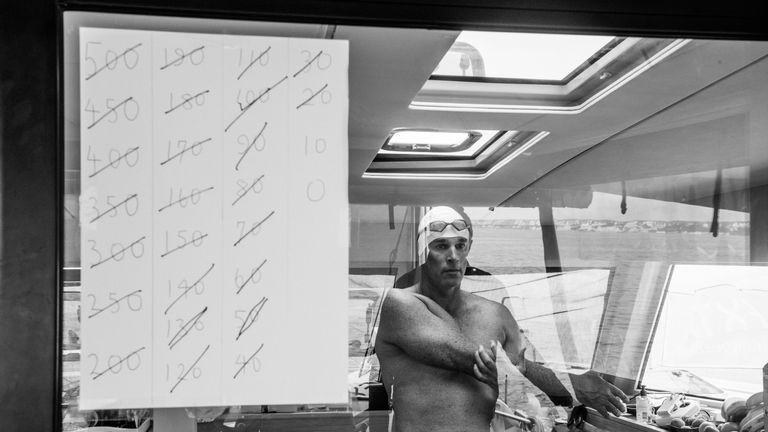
x=244 y=187
x=187 y=100
x=91 y=156
x=195 y=240
x=95 y=359
x=318 y=147
x=111 y=110
x=246 y=97
x=253 y=276
x=310 y=96
x=253 y=360
x=175 y=154
x=262 y=58
x=129 y=108
x=89 y=107
x=195 y=373
x=115 y=363
x=93 y=303
x=111 y=59
x=95 y=251
x=320 y=60
x=183 y=200
x=130 y=204
x=255 y=229
x=131 y=158
x=133 y=54
x=133 y=300
x=136 y=361
x=316 y=190
x=137 y=250
x=178 y=57
x=90 y=58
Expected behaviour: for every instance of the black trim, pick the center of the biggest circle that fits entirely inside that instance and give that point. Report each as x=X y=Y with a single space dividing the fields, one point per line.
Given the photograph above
x=739 y=19
x=59 y=240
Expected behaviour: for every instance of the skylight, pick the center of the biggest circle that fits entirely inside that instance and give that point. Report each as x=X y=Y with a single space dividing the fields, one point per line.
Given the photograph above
x=467 y=155
x=429 y=138
x=518 y=56
x=445 y=143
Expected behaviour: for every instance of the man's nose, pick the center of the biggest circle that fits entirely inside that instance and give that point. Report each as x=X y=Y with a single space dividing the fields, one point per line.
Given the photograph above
x=453 y=254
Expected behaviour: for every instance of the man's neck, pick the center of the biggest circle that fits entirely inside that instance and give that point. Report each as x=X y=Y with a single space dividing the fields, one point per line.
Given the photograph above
x=448 y=298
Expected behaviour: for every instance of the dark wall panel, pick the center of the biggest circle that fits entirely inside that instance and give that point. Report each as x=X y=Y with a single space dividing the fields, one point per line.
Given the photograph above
x=28 y=222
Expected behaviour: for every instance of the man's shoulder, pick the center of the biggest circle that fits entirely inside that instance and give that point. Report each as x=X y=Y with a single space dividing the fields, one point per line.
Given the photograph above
x=396 y=295
x=397 y=299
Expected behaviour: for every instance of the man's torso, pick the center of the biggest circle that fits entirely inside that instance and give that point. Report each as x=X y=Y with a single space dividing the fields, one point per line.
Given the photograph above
x=431 y=398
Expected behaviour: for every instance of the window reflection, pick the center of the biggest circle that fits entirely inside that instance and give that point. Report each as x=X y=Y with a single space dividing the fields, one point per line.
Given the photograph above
x=624 y=248
x=708 y=338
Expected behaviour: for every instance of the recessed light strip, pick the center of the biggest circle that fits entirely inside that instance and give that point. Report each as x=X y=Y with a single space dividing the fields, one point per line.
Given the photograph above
x=543 y=109
x=458 y=176
x=435 y=138
x=474 y=147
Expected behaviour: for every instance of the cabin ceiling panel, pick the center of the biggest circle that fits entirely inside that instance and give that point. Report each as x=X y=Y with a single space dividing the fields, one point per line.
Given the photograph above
x=687 y=72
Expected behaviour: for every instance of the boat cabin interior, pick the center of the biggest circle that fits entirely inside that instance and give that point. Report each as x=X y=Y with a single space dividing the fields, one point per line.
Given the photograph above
x=616 y=182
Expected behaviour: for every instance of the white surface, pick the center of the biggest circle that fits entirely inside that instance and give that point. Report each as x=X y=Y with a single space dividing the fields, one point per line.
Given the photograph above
x=533 y=56
x=228 y=206
x=698 y=327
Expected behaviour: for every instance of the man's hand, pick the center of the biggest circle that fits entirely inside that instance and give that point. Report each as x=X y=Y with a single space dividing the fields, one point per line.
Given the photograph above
x=519 y=361
x=593 y=391
x=485 y=366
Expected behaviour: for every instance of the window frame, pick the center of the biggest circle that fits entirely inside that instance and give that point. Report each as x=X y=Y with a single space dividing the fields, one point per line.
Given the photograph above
x=38 y=23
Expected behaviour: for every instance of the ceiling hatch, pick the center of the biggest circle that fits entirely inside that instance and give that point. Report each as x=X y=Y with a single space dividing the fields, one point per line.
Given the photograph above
x=448 y=154
x=536 y=73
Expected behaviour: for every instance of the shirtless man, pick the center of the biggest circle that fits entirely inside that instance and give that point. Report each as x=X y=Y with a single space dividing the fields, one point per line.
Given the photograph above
x=437 y=344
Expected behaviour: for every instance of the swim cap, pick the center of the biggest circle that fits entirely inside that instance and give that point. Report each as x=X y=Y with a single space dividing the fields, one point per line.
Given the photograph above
x=442 y=214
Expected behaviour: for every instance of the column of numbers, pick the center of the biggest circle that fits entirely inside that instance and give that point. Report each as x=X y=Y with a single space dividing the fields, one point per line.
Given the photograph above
x=115 y=215
x=187 y=231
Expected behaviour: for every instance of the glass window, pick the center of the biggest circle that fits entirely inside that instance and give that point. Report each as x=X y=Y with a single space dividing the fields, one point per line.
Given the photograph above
x=617 y=221
x=702 y=346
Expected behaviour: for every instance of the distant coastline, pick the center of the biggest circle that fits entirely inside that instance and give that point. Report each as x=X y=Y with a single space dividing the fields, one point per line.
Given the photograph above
x=606 y=225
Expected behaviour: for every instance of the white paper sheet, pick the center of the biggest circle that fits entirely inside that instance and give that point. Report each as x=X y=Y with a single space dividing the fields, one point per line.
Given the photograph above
x=229 y=186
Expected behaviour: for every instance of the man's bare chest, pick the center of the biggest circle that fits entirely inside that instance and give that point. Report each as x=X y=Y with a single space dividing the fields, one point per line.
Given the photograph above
x=480 y=328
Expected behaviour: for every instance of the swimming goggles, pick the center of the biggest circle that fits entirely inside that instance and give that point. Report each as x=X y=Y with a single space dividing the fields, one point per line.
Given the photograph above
x=439 y=226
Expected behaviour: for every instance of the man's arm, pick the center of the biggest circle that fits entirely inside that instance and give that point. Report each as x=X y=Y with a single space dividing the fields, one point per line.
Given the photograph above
x=590 y=388
x=542 y=377
x=423 y=330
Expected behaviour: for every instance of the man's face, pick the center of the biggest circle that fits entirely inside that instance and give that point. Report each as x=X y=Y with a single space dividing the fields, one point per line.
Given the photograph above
x=446 y=261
